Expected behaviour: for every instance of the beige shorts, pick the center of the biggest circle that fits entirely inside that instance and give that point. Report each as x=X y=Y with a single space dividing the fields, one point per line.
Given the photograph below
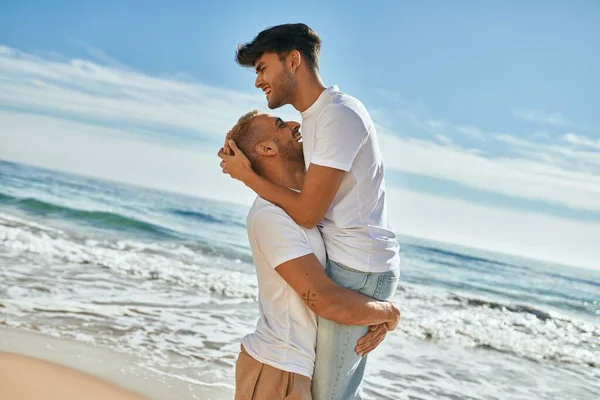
x=257 y=381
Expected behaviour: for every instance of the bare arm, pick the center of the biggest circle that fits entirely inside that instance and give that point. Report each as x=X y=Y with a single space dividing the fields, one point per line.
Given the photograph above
x=331 y=301
x=306 y=208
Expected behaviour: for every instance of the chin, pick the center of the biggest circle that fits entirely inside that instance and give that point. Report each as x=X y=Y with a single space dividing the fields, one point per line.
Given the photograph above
x=273 y=104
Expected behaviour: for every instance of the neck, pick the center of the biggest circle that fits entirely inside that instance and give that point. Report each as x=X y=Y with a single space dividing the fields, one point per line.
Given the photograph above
x=308 y=92
x=288 y=174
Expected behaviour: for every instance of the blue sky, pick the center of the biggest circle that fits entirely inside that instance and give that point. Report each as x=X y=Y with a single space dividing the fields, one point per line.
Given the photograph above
x=486 y=110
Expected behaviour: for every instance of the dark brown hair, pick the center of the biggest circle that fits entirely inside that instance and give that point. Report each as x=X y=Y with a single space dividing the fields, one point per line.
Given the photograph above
x=282 y=39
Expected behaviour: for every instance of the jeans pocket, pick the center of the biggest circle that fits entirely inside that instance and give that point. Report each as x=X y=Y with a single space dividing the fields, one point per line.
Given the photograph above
x=387 y=283
x=346 y=277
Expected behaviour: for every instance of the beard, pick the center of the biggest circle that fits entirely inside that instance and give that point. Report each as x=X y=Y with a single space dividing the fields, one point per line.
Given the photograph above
x=281 y=90
x=292 y=152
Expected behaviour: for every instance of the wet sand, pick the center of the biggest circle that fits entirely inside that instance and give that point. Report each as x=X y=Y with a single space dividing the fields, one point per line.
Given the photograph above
x=39 y=367
x=23 y=377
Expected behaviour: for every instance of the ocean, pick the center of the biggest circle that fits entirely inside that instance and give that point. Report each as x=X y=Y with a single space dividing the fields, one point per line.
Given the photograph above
x=169 y=278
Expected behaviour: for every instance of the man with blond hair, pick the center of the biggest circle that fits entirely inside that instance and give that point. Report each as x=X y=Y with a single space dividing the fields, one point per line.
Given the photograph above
x=277 y=360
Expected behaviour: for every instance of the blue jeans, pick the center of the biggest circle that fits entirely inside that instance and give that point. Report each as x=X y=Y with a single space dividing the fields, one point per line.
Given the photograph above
x=339 y=371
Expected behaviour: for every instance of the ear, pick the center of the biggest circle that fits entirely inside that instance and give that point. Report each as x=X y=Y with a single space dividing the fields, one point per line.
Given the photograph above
x=295 y=59
x=268 y=148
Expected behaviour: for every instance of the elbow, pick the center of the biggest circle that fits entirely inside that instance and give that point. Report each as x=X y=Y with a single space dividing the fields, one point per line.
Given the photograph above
x=307 y=223
x=309 y=219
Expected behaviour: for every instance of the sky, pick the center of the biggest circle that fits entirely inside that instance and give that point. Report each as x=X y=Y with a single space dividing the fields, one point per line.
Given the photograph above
x=487 y=113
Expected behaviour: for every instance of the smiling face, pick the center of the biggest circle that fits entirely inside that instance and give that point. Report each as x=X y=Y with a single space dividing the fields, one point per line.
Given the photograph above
x=279 y=137
x=275 y=80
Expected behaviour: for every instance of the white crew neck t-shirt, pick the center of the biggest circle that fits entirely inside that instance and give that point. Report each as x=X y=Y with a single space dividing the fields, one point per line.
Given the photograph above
x=338 y=132
x=286 y=332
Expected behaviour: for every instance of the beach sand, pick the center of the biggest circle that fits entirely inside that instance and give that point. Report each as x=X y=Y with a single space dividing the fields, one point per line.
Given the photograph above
x=35 y=367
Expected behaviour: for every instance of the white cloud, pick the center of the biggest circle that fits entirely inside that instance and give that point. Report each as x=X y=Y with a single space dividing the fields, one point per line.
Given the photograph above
x=98 y=54
x=543 y=237
x=512 y=176
x=83 y=89
x=573 y=158
x=513 y=141
x=542 y=117
x=102 y=152
x=414 y=120
x=443 y=139
x=581 y=141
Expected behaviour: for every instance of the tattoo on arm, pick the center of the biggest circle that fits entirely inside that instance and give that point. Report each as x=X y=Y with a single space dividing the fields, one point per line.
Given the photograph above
x=310 y=298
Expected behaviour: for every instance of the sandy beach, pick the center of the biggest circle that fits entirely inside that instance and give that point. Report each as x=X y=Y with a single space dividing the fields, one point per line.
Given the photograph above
x=35 y=367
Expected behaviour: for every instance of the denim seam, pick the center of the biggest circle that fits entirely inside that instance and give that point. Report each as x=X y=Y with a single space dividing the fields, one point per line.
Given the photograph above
x=334 y=392
x=380 y=280
x=351 y=269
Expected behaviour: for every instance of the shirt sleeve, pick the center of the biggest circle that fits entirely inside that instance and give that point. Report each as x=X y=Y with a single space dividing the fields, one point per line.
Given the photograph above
x=340 y=134
x=279 y=238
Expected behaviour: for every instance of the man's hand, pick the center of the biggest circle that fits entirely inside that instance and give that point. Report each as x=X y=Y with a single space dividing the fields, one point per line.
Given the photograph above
x=235 y=163
x=226 y=149
x=377 y=333
x=397 y=314
x=371 y=340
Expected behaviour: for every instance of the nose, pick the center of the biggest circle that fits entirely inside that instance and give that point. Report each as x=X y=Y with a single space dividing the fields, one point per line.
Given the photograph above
x=258 y=82
x=293 y=125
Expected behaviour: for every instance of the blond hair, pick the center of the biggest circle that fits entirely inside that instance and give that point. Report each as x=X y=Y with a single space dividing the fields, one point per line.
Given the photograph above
x=245 y=136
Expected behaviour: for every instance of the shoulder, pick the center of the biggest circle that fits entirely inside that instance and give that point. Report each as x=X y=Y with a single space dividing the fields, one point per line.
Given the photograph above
x=346 y=110
x=340 y=120
x=265 y=216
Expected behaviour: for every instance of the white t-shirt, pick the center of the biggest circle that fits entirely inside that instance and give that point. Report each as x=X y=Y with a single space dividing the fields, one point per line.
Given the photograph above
x=338 y=132
x=286 y=332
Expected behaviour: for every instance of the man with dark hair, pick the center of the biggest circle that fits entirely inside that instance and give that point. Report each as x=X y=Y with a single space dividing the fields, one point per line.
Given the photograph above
x=343 y=192
x=282 y=39
x=277 y=360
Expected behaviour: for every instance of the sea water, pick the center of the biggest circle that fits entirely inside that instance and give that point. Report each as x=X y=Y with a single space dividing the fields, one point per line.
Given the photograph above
x=170 y=278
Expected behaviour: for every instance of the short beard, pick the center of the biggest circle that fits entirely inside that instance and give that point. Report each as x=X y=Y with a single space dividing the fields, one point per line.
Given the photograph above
x=292 y=154
x=283 y=86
